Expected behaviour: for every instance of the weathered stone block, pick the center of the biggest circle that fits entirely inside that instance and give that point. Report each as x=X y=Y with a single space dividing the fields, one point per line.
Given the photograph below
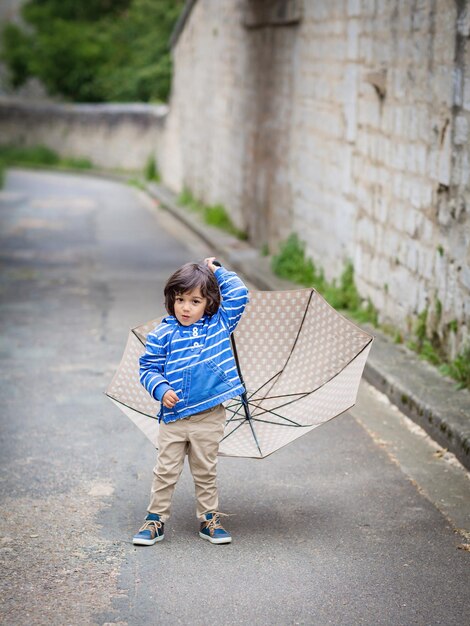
x=460 y=130
x=354 y=7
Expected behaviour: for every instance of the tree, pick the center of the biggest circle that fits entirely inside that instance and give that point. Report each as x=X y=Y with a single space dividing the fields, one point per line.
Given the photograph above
x=94 y=50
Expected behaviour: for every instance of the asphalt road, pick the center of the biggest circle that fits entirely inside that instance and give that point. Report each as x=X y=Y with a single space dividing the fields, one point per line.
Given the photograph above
x=329 y=530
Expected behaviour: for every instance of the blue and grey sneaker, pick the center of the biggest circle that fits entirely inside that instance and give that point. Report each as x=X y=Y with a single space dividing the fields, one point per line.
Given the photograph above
x=151 y=531
x=212 y=530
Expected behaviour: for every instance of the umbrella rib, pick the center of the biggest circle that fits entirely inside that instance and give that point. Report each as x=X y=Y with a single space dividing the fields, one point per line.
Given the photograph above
x=272 y=411
x=279 y=406
x=232 y=431
x=154 y=417
x=284 y=395
x=230 y=407
x=292 y=425
x=266 y=383
x=243 y=421
x=137 y=336
x=268 y=397
x=234 y=412
x=310 y=427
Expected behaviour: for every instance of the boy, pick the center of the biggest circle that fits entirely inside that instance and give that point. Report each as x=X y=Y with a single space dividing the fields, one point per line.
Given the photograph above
x=189 y=367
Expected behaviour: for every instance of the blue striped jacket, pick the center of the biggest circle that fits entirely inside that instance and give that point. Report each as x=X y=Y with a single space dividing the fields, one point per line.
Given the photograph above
x=196 y=361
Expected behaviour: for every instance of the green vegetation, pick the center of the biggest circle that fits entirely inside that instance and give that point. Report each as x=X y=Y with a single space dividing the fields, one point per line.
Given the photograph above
x=151 y=171
x=291 y=263
x=429 y=346
x=459 y=369
x=38 y=156
x=426 y=341
x=94 y=51
x=214 y=215
x=137 y=183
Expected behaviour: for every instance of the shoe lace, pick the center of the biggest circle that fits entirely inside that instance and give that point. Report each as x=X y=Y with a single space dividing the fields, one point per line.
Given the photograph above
x=156 y=524
x=214 y=521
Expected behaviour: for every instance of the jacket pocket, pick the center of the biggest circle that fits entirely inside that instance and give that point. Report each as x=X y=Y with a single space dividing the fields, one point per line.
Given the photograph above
x=203 y=381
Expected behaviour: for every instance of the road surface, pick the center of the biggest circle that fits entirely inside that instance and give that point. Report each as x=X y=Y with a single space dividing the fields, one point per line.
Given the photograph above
x=329 y=530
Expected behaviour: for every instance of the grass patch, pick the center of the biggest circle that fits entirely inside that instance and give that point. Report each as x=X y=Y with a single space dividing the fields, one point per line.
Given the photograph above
x=428 y=345
x=459 y=369
x=187 y=200
x=293 y=264
x=137 y=183
x=38 y=156
x=214 y=215
x=151 y=172
x=264 y=250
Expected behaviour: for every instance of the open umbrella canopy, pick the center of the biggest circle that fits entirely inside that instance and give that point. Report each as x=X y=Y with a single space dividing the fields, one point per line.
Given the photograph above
x=301 y=362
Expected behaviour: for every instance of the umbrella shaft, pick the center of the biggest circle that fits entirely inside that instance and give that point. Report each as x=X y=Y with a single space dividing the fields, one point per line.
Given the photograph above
x=235 y=354
x=245 y=405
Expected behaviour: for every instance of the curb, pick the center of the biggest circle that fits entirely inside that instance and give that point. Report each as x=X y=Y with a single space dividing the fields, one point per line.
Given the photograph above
x=414 y=386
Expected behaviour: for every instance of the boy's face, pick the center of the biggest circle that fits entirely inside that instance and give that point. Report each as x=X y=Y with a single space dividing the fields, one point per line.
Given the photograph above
x=189 y=307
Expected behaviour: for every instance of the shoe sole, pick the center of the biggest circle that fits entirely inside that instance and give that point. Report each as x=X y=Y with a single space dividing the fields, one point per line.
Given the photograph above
x=147 y=542
x=212 y=540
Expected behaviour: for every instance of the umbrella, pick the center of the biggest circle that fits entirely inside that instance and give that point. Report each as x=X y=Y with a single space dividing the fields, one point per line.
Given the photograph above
x=300 y=360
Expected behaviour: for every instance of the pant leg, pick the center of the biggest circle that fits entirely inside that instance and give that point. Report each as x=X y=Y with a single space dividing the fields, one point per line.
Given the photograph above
x=172 y=448
x=205 y=432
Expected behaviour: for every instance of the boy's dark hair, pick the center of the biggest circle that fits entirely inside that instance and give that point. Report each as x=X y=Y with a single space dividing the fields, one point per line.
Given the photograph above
x=189 y=277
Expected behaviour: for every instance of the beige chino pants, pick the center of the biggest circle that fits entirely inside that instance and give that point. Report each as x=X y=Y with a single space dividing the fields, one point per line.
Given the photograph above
x=197 y=436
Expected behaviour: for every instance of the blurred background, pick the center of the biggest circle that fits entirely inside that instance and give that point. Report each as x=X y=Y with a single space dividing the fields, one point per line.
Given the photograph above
x=93 y=51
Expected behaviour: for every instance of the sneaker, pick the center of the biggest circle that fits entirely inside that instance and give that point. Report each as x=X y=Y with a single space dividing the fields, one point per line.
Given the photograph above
x=212 y=530
x=151 y=531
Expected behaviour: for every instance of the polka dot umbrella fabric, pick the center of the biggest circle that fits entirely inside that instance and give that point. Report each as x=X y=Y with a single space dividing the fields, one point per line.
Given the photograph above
x=301 y=362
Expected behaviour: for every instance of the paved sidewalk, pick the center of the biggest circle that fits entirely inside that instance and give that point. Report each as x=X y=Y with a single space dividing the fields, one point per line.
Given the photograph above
x=413 y=385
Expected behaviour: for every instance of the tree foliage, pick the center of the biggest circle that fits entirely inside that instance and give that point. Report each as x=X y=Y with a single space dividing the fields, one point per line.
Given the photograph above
x=94 y=50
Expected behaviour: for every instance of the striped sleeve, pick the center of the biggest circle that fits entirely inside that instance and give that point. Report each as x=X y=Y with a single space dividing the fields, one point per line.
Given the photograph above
x=234 y=297
x=152 y=364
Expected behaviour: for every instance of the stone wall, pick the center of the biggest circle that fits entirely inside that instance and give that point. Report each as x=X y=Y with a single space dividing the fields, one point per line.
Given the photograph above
x=121 y=136
x=349 y=125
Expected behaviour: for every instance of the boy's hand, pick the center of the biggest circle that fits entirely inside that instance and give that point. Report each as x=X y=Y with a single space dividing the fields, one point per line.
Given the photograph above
x=210 y=263
x=170 y=399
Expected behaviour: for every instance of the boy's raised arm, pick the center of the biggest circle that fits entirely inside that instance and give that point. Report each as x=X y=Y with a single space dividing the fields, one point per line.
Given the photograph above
x=234 y=294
